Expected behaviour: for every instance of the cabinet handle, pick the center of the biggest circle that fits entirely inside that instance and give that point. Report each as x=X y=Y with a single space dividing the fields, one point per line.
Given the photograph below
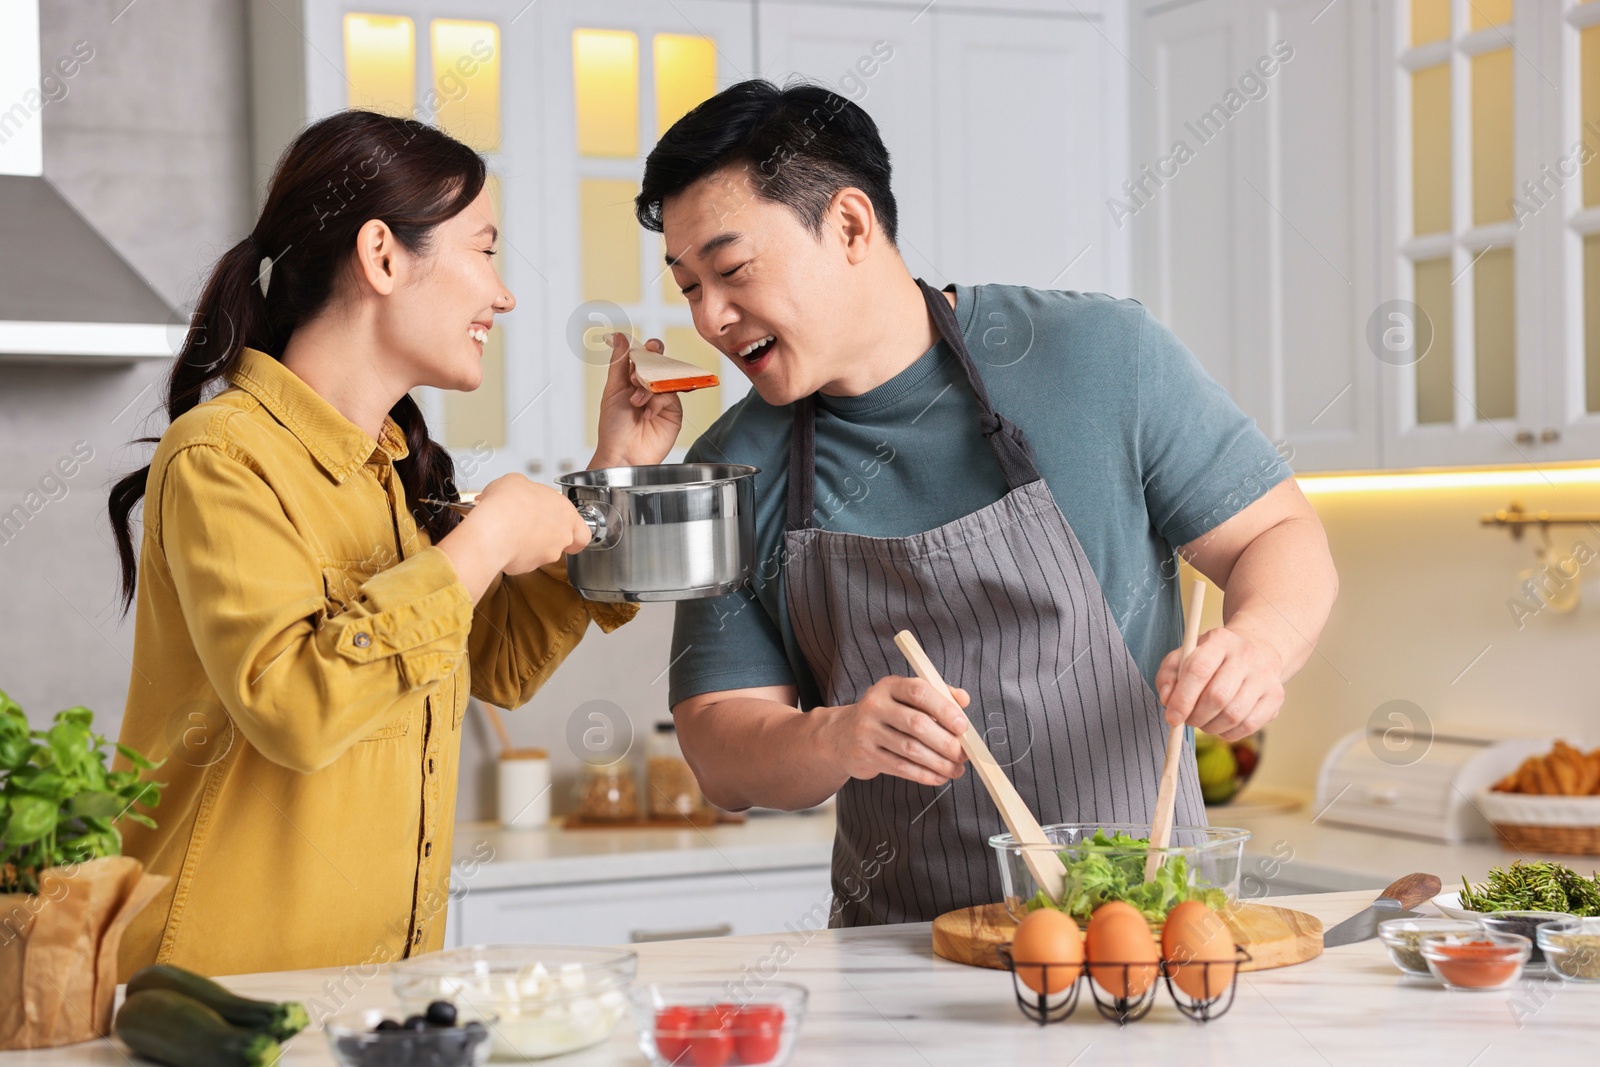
x=1550 y=436
x=1524 y=437
x=566 y=466
x=535 y=466
x=640 y=937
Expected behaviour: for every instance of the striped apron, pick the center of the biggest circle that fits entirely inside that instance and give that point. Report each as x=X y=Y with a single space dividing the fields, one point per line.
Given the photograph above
x=1007 y=607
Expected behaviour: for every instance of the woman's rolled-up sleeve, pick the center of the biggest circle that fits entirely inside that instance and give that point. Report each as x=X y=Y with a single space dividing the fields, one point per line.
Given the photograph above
x=301 y=681
x=525 y=626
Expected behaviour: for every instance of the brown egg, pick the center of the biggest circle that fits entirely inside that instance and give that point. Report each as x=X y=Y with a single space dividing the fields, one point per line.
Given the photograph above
x=1117 y=935
x=1192 y=935
x=1047 y=936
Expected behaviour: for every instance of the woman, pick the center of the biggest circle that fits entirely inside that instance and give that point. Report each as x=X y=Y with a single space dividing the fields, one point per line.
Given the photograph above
x=308 y=628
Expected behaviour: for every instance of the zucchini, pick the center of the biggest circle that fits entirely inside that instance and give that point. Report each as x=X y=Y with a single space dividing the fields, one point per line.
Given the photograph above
x=280 y=1021
x=179 y=1031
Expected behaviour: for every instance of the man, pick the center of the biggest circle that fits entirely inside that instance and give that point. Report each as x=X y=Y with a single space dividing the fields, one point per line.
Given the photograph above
x=1003 y=471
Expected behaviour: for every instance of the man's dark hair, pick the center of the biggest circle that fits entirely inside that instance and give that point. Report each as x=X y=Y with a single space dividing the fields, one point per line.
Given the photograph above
x=800 y=145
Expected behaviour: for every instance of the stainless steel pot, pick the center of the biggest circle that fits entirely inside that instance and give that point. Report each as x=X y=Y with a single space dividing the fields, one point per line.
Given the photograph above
x=674 y=531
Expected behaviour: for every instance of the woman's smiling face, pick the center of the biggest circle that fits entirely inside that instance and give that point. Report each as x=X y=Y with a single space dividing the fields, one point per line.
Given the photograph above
x=449 y=298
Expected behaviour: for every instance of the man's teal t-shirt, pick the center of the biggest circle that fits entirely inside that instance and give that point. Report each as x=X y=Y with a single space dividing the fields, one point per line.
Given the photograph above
x=1141 y=449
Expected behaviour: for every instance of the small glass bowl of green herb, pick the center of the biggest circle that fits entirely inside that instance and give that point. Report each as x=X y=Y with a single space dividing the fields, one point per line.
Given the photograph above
x=1403 y=939
x=1572 y=947
x=1106 y=861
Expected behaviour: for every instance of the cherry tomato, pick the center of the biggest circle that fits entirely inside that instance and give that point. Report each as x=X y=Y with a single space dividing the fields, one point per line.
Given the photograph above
x=672 y=1028
x=712 y=1043
x=757 y=1032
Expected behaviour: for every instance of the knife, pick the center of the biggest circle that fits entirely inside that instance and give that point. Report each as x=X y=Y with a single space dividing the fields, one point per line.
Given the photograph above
x=1395 y=903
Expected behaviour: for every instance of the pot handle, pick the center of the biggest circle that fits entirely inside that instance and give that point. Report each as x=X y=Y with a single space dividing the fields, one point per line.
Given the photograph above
x=604 y=530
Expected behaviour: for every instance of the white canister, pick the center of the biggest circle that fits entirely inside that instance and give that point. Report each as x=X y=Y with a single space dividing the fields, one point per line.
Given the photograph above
x=523 y=792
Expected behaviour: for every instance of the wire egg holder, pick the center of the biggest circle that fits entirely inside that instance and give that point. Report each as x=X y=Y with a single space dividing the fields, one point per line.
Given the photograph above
x=1045 y=1008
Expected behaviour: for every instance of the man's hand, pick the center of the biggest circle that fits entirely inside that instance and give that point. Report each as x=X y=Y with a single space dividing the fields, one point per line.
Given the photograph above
x=900 y=726
x=637 y=427
x=1230 y=685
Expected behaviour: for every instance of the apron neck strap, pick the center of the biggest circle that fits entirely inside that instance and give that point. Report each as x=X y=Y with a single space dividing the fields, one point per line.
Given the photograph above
x=1006 y=439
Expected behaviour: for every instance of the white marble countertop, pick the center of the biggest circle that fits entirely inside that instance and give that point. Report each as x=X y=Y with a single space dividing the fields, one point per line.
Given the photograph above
x=879 y=996
x=487 y=856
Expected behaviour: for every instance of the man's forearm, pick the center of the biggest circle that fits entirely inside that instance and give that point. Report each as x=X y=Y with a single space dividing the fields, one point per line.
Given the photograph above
x=748 y=751
x=1281 y=589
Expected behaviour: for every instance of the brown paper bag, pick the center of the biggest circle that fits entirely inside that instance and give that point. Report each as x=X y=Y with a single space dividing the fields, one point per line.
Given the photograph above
x=58 y=950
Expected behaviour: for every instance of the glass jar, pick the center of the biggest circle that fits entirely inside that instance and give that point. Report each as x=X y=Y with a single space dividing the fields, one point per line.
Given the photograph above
x=670 y=784
x=608 y=792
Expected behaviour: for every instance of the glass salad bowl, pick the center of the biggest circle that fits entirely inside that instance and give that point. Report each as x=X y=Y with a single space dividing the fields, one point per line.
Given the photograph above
x=1105 y=861
x=549 y=999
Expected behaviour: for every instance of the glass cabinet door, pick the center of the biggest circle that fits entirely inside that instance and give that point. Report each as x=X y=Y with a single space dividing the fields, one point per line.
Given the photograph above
x=1465 y=113
x=615 y=76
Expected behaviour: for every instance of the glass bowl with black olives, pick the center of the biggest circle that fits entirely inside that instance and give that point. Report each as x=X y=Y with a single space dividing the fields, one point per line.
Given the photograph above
x=440 y=1036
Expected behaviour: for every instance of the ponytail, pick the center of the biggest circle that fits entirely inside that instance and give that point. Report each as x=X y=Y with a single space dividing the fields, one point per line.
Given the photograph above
x=320 y=196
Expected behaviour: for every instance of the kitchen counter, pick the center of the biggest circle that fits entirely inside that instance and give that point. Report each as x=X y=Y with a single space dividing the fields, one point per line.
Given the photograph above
x=878 y=995
x=1314 y=855
x=487 y=856
x=1293 y=852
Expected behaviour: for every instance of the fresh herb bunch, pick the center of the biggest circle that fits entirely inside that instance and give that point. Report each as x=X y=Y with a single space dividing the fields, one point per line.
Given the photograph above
x=1117 y=873
x=1534 y=887
x=59 y=803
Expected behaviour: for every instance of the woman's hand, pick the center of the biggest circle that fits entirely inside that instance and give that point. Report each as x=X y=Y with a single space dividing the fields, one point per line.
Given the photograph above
x=637 y=427
x=516 y=526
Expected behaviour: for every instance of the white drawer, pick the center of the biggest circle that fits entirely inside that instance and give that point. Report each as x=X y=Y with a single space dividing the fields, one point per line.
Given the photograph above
x=611 y=913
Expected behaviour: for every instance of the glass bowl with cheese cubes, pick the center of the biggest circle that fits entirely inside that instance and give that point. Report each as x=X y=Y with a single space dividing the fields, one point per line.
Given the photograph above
x=550 y=999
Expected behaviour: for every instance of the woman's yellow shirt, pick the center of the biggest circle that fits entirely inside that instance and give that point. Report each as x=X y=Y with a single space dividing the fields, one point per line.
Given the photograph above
x=302 y=659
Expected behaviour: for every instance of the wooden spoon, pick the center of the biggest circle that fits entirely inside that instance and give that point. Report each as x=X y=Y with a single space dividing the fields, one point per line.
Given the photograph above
x=1167 y=793
x=1043 y=863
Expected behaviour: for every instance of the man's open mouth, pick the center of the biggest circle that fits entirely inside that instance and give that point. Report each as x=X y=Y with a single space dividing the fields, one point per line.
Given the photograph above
x=756 y=353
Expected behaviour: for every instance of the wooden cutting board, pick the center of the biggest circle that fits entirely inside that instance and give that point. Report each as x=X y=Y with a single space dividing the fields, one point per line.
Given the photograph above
x=1274 y=937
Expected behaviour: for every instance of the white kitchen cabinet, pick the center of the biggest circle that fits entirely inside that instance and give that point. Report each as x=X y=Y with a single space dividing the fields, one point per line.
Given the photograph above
x=619 y=912
x=601 y=256
x=1006 y=121
x=1022 y=190
x=987 y=190
x=532 y=415
x=825 y=43
x=1276 y=248
x=1250 y=188
x=1570 y=427
x=1486 y=376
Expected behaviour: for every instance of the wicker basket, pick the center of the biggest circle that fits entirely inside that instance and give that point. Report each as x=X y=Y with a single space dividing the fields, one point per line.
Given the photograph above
x=1528 y=822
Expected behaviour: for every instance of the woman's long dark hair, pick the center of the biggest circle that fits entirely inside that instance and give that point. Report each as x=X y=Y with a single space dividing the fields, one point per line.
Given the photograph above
x=338 y=174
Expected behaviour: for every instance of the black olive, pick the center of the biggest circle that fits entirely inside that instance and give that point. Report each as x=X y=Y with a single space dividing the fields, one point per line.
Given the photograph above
x=442 y=1013
x=387 y=1024
x=415 y=1022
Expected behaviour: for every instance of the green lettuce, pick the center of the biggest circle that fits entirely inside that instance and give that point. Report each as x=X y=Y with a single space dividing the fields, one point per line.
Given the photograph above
x=1095 y=877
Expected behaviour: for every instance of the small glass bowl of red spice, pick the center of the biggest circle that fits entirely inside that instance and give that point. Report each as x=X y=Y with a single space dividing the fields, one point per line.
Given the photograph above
x=1485 y=960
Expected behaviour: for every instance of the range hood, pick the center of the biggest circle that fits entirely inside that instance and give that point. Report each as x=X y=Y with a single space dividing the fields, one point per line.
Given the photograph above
x=65 y=292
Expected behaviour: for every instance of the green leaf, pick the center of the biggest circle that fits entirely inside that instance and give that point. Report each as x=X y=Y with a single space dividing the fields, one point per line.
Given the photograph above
x=30 y=819
x=69 y=743
x=136 y=759
x=15 y=751
x=142 y=820
x=104 y=805
x=40 y=782
x=80 y=715
x=9 y=707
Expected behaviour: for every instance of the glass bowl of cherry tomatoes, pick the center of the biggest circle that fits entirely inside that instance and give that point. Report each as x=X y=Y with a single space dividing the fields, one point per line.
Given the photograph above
x=718 y=1024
